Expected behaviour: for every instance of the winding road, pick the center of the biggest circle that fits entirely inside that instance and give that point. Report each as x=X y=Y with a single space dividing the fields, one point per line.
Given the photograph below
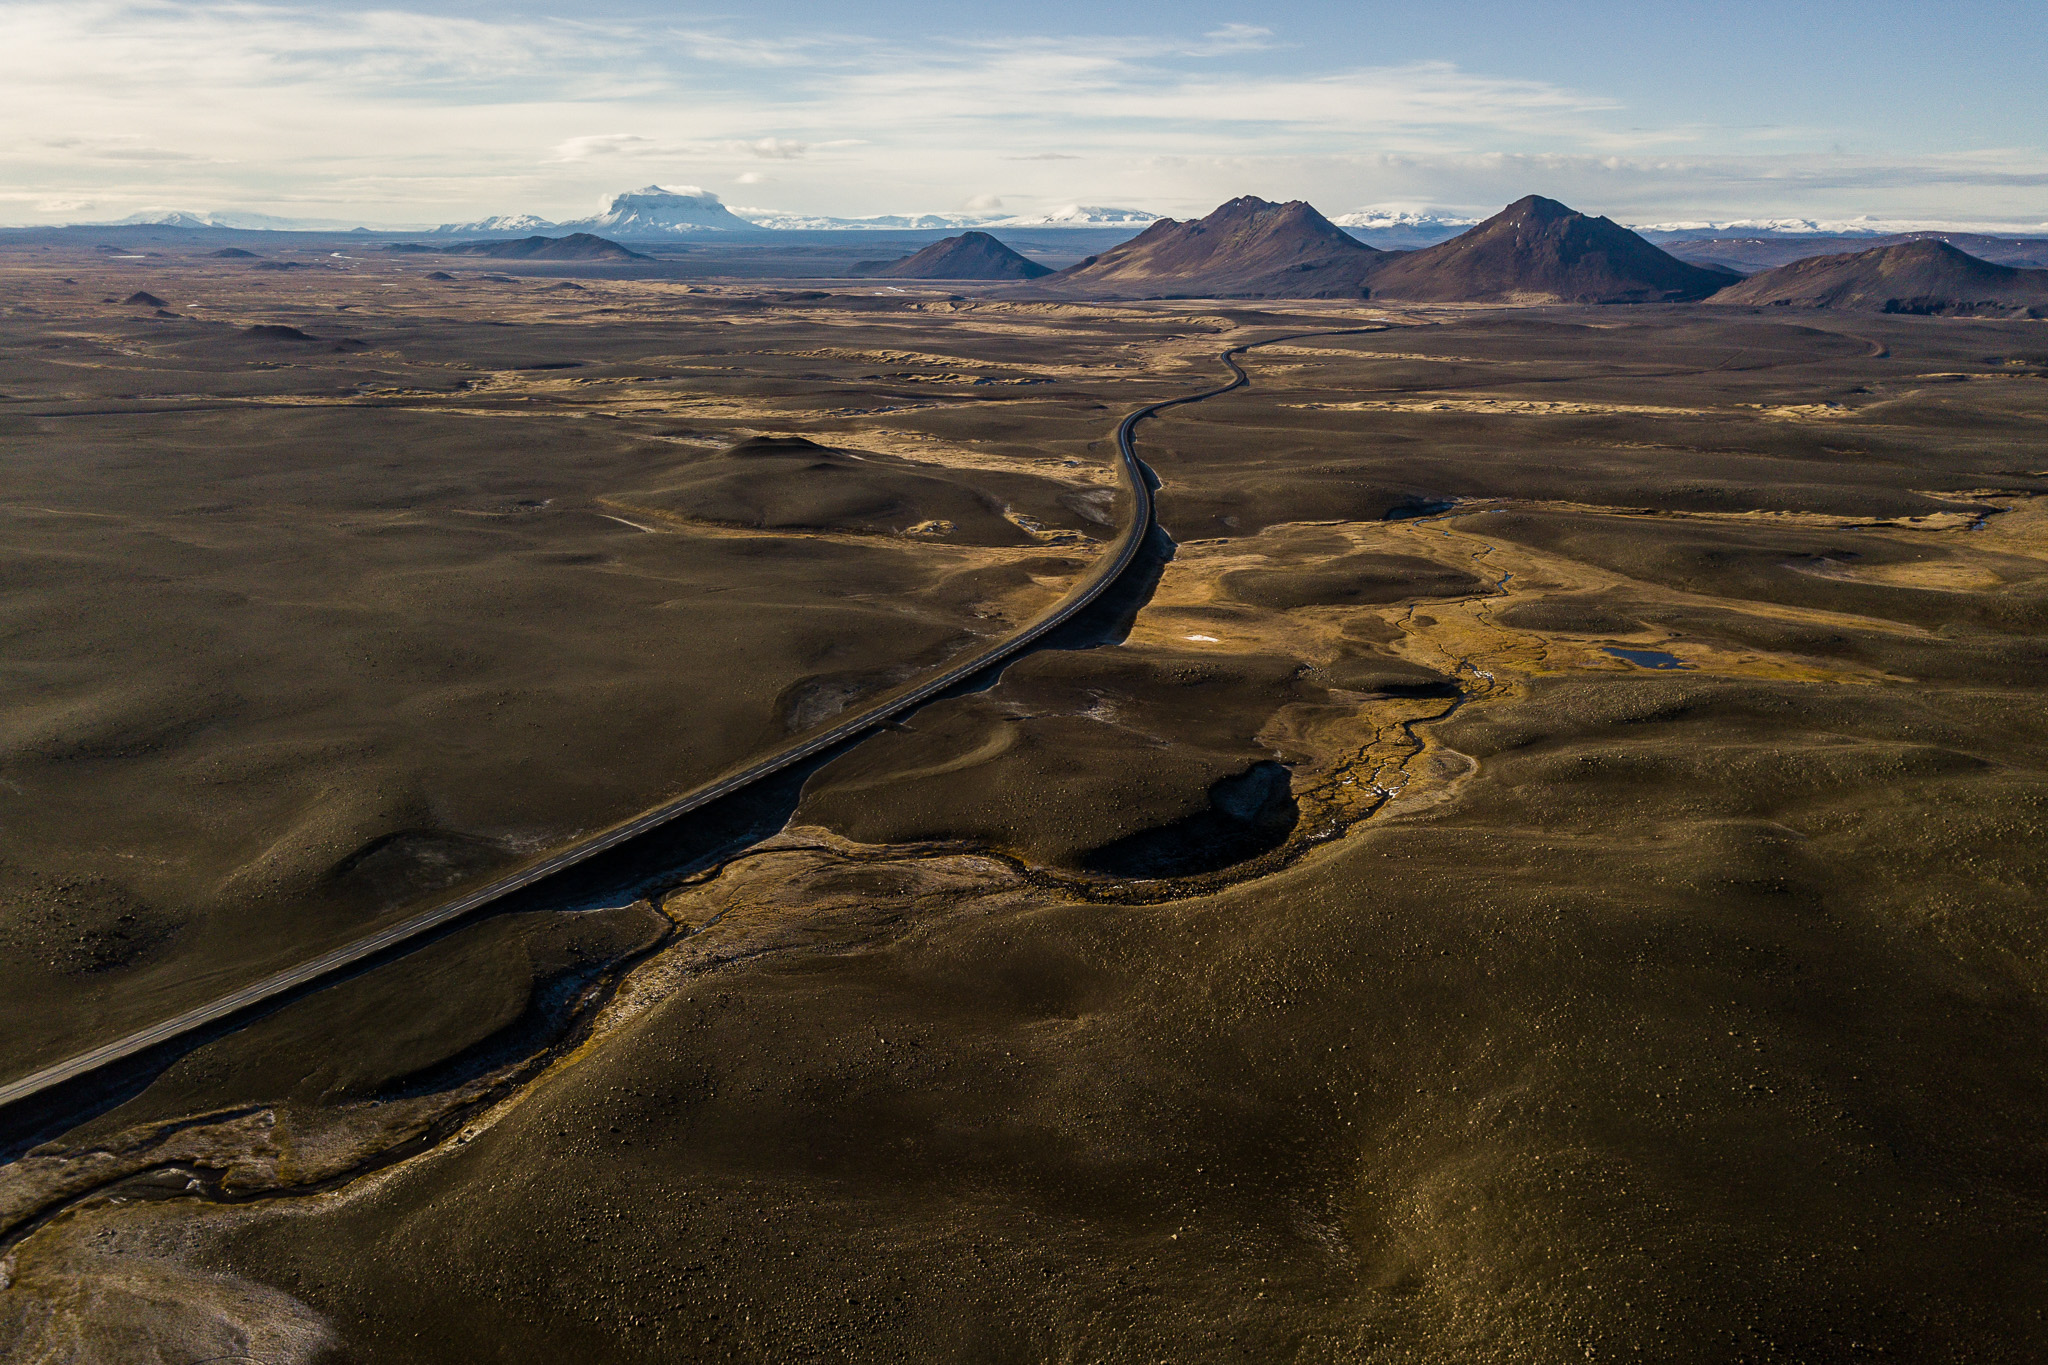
x=331 y=963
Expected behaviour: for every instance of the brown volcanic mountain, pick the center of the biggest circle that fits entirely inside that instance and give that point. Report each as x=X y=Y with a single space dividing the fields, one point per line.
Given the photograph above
x=1247 y=248
x=970 y=256
x=1537 y=250
x=1926 y=276
x=577 y=246
x=1749 y=255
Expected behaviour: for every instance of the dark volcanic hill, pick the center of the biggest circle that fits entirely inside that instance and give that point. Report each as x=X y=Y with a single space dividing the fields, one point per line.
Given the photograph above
x=970 y=256
x=1248 y=248
x=1926 y=276
x=1537 y=250
x=789 y=483
x=1752 y=254
x=577 y=246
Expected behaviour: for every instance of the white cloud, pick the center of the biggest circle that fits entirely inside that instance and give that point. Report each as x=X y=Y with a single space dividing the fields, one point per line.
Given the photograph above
x=394 y=114
x=1233 y=38
x=112 y=147
x=227 y=45
x=774 y=148
x=1132 y=105
x=801 y=50
x=592 y=146
x=599 y=146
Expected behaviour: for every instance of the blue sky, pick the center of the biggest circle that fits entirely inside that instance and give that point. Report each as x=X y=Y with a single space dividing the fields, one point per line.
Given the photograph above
x=448 y=109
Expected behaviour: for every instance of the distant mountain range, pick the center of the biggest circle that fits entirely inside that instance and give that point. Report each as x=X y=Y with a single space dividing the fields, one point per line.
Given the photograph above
x=1810 y=227
x=1751 y=254
x=660 y=212
x=1400 y=230
x=1073 y=215
x=504 y=225
x=1534 y=251
x=689 y=211
x=237 y=219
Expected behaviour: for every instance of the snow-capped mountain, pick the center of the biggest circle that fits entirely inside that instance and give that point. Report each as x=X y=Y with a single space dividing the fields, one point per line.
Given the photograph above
x=1775 y=227
x=1402 y=229
x=231 y=218
x=510 y=224
x=177 y=218
x=1082 y=215
x=780 y=221
x=657 y=212
x=649 y=212
x=1400 y=218
x=1866 y=226
x=686 y=210
x=1071 y=215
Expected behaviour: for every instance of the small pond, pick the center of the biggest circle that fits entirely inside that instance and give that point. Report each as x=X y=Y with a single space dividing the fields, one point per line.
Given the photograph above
x=1645 y=658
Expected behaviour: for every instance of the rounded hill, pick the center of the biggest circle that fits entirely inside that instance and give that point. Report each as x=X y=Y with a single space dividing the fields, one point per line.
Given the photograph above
x=789 y=483
x=1249 y=247
x=1537 y=250
x=1926 y=276
x=970 y=256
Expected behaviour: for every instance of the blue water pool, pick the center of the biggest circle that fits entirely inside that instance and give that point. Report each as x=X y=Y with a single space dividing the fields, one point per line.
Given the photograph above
x=1646 y=658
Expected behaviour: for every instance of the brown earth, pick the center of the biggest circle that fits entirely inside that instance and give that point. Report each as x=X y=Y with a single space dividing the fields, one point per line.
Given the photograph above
x=308 y=626
x=1344 y=954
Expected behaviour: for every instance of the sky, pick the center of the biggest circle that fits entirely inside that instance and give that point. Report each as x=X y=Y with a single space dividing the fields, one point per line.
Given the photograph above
x=445 y=110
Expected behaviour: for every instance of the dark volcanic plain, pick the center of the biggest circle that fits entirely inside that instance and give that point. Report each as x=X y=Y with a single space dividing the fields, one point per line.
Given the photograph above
x=1543 y=865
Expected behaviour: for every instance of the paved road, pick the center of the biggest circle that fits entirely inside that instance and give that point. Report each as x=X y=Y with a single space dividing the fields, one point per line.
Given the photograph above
x=339 y=959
